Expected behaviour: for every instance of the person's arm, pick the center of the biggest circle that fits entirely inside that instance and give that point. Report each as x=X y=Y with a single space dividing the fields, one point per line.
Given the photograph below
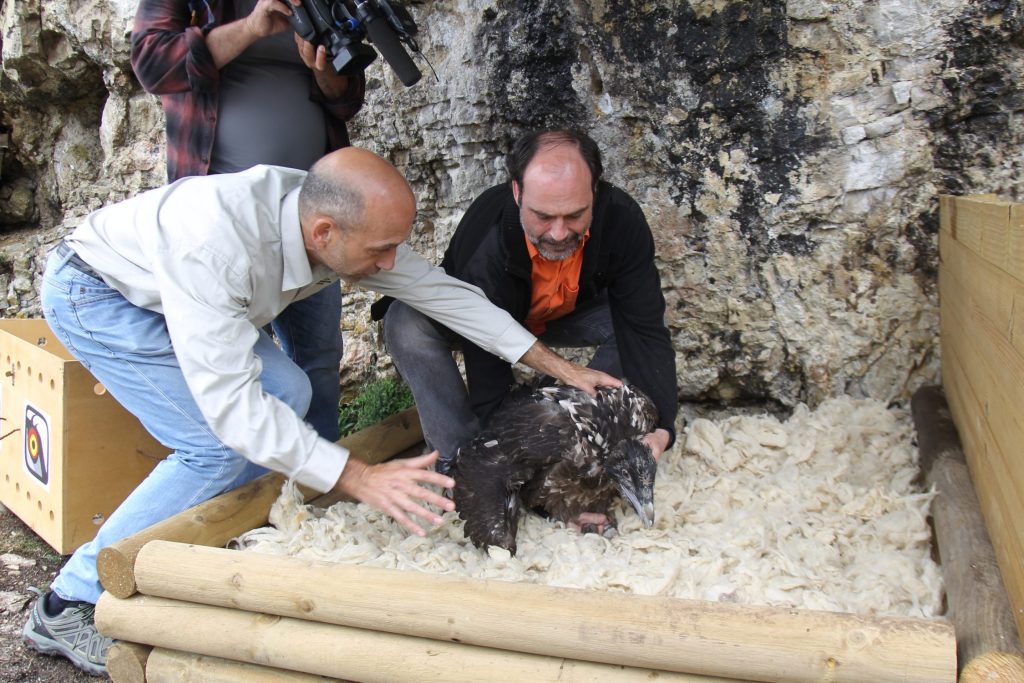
x=332 y=88
x=214 y=342
x=204 y=301
x=267 y=18
x=658 y=441
x=542 y=359
x=462 y=308
x=638 y=316
x=340 y=96
x=171 y=55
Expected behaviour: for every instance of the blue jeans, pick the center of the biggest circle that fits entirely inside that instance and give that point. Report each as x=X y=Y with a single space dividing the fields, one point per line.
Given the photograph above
x=128 y=349
x=422 y=352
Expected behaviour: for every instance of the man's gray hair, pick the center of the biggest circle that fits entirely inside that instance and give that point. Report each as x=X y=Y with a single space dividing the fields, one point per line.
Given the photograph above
x=325 y=196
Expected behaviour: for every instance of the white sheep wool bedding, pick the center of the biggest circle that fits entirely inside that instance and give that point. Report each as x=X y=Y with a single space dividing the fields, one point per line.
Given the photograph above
x=817 y=512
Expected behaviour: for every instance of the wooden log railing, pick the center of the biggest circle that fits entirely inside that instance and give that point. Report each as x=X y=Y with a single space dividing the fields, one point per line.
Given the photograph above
x=703 y=638
x=988 y=646
x=172 y=666
x=357 y=654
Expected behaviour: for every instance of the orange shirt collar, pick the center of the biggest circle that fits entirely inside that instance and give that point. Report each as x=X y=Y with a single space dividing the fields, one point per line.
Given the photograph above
x=554 y=286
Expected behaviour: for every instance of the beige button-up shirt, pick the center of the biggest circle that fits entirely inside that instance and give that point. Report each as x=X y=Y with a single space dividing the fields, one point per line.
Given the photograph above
x=221 y=256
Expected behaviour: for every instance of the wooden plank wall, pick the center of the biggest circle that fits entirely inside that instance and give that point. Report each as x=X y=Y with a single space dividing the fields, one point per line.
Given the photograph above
x=981 y=294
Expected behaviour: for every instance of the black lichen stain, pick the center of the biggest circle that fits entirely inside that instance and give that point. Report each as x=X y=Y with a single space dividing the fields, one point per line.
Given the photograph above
x=974 y=131
x=797 y=245
x=921 y=233
x=532 y=46
x=726 y=59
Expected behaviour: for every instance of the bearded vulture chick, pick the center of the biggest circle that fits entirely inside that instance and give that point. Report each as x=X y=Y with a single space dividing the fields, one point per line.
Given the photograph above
x=559 y=452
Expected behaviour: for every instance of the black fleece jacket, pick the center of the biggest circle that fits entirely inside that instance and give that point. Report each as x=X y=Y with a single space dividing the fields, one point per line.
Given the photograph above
x=489 y=250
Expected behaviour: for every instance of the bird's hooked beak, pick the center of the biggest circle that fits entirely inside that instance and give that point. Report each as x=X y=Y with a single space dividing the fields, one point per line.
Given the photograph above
x=647 y=514
x=644 y=509
x=634 y=475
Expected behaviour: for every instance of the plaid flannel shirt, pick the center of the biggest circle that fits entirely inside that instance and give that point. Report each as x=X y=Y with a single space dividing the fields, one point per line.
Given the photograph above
x=171 y=60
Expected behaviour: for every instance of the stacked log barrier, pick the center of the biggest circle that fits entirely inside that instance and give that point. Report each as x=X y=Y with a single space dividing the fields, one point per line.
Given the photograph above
x=988 y=646
x=396 y=614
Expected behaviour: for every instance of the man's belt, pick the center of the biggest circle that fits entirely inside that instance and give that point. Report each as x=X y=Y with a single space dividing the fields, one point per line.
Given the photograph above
x=63 y=249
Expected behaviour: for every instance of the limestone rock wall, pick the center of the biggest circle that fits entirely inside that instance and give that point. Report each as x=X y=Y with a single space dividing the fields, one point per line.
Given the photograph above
x=788 y=156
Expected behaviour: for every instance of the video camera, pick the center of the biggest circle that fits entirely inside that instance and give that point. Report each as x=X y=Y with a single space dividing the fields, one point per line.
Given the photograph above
x=341 y=25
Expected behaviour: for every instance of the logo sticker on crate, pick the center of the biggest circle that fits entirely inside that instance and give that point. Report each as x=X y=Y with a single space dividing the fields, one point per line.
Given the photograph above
x=37 y=445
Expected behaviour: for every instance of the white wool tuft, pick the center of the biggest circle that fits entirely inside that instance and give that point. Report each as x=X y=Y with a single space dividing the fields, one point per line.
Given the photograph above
x=818 y=512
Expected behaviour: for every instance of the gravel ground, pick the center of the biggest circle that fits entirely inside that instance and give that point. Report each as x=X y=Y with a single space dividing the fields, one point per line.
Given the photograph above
x=26 y=561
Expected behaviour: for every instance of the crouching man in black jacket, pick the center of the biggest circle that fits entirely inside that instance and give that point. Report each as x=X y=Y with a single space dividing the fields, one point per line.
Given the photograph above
x=567 y=255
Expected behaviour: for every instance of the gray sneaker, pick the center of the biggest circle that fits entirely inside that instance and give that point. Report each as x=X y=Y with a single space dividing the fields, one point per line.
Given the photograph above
x=71 y=634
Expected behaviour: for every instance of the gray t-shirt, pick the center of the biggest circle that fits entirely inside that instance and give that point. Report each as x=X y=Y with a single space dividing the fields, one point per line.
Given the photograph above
x=266 y=116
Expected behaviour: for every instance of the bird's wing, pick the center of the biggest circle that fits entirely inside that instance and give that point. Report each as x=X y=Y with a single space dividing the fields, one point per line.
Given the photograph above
x=521 y=439
x=486 y=500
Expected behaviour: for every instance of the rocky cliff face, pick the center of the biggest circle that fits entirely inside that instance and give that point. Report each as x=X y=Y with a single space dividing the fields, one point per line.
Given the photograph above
x=788 y=156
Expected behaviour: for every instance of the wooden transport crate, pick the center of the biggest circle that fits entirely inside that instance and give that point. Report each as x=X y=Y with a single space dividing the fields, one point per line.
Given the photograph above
x=981 y=293
x=69 y=452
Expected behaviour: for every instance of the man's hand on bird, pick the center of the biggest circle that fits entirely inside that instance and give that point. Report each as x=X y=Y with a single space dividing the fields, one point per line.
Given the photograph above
x=657 y=441
x=396 y=488
x=541 y=358
x=589 y=380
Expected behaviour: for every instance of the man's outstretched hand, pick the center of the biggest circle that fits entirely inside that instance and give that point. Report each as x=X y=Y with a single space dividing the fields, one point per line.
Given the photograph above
x=397 y=488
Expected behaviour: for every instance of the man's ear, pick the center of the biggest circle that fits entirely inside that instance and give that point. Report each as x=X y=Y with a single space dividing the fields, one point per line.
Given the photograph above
x=322 y=232
x=516 y=192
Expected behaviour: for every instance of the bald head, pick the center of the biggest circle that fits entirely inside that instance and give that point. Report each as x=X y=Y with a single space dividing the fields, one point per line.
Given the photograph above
x=560 y=168
x=355 y=209
x=357 y=189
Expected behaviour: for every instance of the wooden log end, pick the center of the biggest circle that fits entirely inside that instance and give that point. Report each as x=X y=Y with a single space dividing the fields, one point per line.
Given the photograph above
x=994 y=667
x=117 y=572
x=126 y=662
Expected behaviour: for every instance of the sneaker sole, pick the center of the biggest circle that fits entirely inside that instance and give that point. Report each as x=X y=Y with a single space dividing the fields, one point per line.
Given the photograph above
x=48 y=646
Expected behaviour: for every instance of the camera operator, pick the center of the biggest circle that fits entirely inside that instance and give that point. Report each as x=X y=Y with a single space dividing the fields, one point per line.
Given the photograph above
x=240 y=88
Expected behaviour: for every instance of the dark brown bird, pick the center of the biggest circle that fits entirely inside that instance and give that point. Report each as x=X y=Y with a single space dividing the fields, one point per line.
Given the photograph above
x=559 y=452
